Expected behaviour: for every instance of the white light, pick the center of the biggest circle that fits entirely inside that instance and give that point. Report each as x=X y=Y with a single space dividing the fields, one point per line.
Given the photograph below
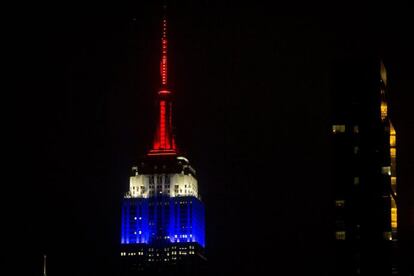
x=182 y=158
x=140 y=232
x=135 y=218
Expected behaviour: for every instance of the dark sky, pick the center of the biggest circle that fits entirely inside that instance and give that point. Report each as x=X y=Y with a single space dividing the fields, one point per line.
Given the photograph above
x=252 y=114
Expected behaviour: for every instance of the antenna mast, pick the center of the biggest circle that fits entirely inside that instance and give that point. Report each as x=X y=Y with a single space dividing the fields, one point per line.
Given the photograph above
x=44 y=265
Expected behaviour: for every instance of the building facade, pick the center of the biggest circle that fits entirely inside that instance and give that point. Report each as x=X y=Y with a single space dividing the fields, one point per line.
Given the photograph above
x=364 y=171
x=163 y=221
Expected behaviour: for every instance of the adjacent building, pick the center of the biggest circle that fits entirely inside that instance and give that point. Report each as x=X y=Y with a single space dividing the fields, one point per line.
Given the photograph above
x=163 y=221
x=364 y=171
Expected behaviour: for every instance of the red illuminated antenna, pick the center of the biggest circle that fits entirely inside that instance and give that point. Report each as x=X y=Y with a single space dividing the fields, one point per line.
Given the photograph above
x=164 y=51
x=164 y=143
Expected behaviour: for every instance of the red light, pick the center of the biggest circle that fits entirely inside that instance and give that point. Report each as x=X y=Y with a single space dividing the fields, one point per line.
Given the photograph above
x=163 y=65
x=164 y=143
x=162 y=124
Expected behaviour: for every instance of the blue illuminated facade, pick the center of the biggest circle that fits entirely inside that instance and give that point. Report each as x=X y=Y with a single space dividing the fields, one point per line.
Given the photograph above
x=163 y=219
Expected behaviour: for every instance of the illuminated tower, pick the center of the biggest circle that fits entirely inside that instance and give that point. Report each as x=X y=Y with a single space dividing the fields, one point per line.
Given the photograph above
x=162 y=229
x=364 y=171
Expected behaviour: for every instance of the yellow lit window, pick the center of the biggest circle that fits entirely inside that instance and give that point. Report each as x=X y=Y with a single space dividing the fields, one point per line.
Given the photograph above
x=386 y=170
x=338 y=128
x=340 y=235
x=384 y=110
x=392 y=140
x=393 y=152
x=356 y=180
x=340 y=203
x=393 y=180
x=394 y=218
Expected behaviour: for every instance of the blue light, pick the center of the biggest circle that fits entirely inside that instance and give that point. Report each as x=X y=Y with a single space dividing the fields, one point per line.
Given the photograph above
x=176 y=219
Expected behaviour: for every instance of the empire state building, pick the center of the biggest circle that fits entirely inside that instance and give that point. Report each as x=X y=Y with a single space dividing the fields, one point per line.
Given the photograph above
x=162 y=227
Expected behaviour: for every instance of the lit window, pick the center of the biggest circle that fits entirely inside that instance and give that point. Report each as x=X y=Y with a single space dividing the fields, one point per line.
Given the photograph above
x=340 y=203
x=338 y=128
x=393 y=152
x=392 y=140
x=356 y=180
x=340 y=235
x=384 y=110
x=394 y=221
x=386 y=170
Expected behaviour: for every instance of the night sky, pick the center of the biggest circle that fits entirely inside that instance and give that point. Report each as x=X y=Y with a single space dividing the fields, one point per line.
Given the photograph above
x=252 y=114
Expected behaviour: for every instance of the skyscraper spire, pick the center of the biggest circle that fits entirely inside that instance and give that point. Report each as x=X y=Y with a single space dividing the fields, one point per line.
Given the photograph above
x=164 y=49
x=164 y=143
